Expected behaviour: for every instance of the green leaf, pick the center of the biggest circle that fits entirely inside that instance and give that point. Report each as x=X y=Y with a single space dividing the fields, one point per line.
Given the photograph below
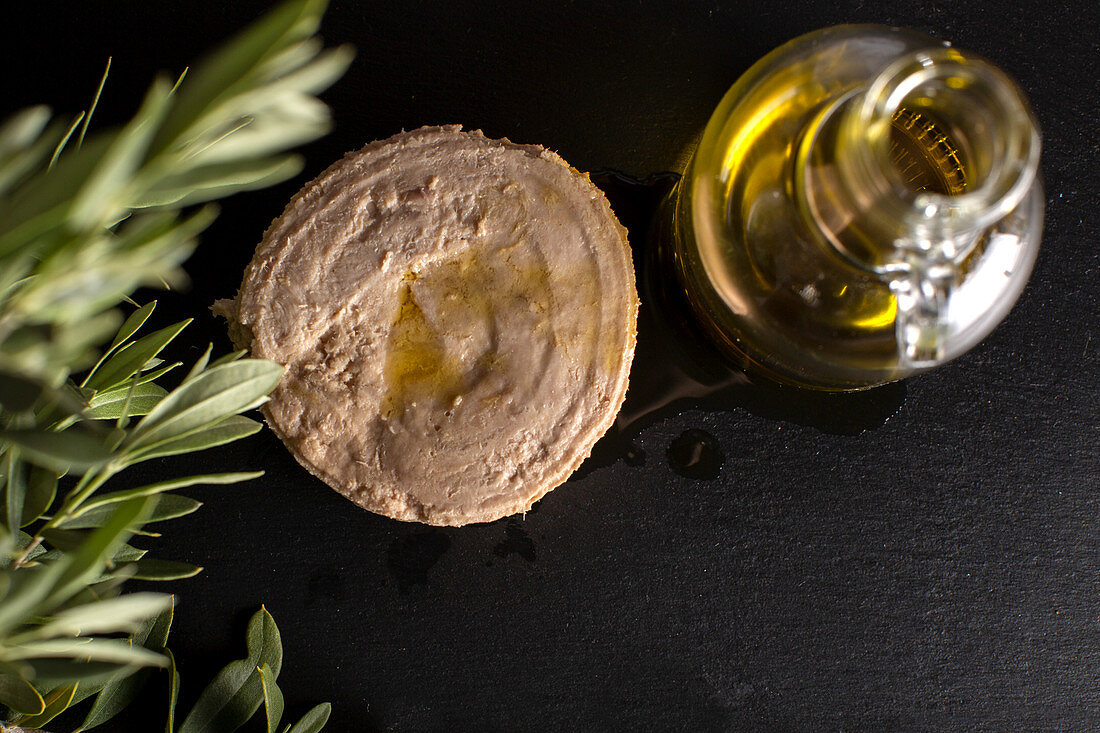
x=18 y=393
x=51 y=672
x=17 y=693
x=41 y=490
x=116 y=693
x=113 y=698
x=117 y=403
x=230 y=357
x=123 y=420
x=27 y=590
x=90 y=649
x=132 y=357
x=153 y=634
x=173 y=691
x=15 y=490
x=168 y=506
x=121 y=555
x=55 y=703
x=7 y=546
x=21 y=130
x=26 y=143
x=273 y=698
x=313 y=721
x=210 y=397
x=131 y=325
x=95 y=102
x=227 y=71
x=236 y=693
x=276 y=130
x=152 y=489
x=127 y=554
x=155 y=569
x=200 y=364
x=71 y=449
x=126 y=677
x=218 y=180
x=224 y=431
x=317 y=75
x=65 y=540
x=25 y=539
x=87 y=563
x=64 y=140
x=149 y=376
x=124 y=613
x=107 y=192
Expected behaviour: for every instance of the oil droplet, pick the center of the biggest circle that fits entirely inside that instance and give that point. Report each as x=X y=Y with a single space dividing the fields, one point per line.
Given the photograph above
x=634 y=455
x=417 y=365
x=695 y=454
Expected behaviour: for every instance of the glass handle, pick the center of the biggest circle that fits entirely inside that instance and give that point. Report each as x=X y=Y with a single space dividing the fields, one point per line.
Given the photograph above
x=923 y=290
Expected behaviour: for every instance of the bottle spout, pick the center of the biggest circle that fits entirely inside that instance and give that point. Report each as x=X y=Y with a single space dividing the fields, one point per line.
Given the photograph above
x=923 y=285
x=973 y=131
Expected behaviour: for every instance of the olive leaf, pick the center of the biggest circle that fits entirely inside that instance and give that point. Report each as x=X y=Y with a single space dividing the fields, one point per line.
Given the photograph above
x=41 y=490
x=91 y=649
x=23 y=144
x=123 y=365
x=60 y=451
x=173 y=692
x=313 y=721
x=236 y=693
x=55 y=703
x=208 y=398
x=51 y=672
x=115 y=614
x=162 y=486
x=167 y=506
x=86 y=217
x=157 y=570
x=273 y=698
x=87 y=562
x=17 y=693
x=15 y=490
x=40 y=589
x=18 y=393
x=127 y=401
x=130 y=326
x=224 y=431
x=113 y=697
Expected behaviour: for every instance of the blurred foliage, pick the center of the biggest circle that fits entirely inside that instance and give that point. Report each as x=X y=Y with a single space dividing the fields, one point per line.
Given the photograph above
x=85 y=219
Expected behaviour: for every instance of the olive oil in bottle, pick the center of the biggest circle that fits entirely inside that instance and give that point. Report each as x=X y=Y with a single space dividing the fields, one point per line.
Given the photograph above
x=863 y=205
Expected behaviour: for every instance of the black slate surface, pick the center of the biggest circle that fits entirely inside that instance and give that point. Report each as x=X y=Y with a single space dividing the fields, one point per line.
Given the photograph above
x=924 y=558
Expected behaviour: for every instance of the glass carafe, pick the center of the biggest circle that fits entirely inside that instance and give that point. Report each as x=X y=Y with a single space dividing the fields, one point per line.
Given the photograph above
x=863 y=205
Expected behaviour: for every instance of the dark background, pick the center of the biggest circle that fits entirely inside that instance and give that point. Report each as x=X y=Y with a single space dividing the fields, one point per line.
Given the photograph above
x=925 y=557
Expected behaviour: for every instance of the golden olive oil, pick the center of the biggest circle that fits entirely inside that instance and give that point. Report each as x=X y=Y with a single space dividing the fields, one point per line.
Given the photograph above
x=820 y=194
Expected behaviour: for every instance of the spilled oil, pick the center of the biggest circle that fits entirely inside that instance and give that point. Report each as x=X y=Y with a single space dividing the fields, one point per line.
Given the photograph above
x=696 y=454
x=675 y=369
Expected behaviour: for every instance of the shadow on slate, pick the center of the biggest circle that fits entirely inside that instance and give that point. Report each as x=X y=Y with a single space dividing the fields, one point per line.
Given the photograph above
x=411 y=556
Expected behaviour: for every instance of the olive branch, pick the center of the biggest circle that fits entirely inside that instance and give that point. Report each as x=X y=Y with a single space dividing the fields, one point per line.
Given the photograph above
x=86 y=218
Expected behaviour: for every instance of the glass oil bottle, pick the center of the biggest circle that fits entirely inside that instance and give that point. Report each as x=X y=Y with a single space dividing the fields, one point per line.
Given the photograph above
x=863 y=205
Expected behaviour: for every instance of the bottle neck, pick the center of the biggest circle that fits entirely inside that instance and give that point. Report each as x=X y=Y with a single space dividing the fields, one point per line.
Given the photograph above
x=904 y=178
x=940 y=146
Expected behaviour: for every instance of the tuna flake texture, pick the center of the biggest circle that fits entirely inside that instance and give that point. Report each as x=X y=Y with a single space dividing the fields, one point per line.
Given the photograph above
x=456 y=315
